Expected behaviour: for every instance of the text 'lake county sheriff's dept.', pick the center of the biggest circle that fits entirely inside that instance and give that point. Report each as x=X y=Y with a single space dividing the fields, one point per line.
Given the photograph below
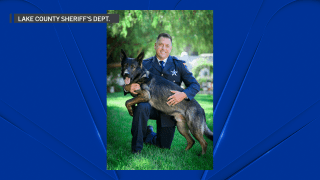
x=64 y=18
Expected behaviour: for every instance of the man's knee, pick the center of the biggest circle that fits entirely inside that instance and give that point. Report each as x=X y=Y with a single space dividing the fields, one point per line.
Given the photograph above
x=143 y=107
x=140 y=116
x=165 y=137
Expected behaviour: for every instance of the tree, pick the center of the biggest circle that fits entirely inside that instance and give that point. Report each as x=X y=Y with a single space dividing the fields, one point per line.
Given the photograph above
x=137 y=31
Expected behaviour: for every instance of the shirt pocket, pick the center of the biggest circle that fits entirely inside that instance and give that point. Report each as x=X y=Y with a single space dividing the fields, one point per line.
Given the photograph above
x=174 y=76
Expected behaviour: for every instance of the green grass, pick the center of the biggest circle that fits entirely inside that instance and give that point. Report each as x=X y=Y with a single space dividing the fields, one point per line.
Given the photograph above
x=119 y=155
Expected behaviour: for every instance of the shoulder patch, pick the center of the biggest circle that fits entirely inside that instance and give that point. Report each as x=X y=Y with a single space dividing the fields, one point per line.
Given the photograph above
x=185 y=65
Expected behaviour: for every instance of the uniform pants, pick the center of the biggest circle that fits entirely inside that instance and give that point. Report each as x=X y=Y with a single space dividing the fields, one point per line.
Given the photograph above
x=141 y=114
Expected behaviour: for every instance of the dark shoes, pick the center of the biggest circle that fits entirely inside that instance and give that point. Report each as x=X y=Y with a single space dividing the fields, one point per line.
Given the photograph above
x=136 y=152
x=149 y=129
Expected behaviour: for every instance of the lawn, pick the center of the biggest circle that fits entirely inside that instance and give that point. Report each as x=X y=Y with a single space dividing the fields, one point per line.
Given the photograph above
x=119 y=155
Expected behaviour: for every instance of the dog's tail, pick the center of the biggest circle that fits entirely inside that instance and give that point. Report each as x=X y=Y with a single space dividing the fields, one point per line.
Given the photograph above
x=208 y=133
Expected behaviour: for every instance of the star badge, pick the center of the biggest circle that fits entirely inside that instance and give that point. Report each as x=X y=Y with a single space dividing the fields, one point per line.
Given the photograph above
x=174 y=72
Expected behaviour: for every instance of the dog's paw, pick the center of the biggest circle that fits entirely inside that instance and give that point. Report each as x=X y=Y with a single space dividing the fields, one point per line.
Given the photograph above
x=129 y=108
x=130 y=111
x=137 y=90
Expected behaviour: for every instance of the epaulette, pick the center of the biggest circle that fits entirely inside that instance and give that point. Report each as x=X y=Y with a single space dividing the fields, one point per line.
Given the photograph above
x=180 y=61
x=175 y=58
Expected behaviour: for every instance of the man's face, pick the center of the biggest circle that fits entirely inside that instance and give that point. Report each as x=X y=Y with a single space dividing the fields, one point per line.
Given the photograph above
x=163 y=48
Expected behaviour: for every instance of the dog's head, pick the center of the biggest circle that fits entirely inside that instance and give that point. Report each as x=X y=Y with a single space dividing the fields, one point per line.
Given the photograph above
x=130 y=67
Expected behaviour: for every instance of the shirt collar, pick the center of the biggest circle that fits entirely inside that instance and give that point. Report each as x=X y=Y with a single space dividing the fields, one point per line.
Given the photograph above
x=164 y=61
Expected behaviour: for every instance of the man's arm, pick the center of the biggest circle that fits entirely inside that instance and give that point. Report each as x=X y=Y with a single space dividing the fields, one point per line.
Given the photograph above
x=193 y=87
x=189 y=93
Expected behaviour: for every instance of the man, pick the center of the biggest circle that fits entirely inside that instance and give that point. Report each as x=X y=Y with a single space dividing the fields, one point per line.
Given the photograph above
x=171 y=68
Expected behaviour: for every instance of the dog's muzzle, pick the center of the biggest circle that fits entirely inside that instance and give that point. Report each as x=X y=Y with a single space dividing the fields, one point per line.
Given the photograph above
x=126 y=77
x=125 y=73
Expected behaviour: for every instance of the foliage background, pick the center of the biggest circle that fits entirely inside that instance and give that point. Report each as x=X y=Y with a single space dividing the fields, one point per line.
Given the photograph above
x=202 y=63
x=137 y=30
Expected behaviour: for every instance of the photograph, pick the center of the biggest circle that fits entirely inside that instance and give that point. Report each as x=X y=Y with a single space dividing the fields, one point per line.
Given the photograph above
x=160 y=90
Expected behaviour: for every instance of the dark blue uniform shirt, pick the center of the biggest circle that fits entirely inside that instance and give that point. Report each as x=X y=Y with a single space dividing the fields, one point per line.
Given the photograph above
x=175 y=71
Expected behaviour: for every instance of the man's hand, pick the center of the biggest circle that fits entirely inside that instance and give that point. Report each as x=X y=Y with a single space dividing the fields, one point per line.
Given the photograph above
x=132 y=87
x=176 y=98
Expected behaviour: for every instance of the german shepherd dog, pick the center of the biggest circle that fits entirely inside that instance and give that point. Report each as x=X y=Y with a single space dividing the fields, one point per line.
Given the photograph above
x=155 y=89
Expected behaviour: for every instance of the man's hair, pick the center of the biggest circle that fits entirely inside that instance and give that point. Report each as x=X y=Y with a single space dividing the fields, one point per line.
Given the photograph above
x=165 y=35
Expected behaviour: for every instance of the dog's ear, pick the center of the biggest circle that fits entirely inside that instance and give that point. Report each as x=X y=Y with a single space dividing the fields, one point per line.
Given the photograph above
x=123 y=55
x=140 y=58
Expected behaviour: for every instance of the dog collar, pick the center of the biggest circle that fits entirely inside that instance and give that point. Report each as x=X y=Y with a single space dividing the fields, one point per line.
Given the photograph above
x=145 y=75
x=140 y=78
